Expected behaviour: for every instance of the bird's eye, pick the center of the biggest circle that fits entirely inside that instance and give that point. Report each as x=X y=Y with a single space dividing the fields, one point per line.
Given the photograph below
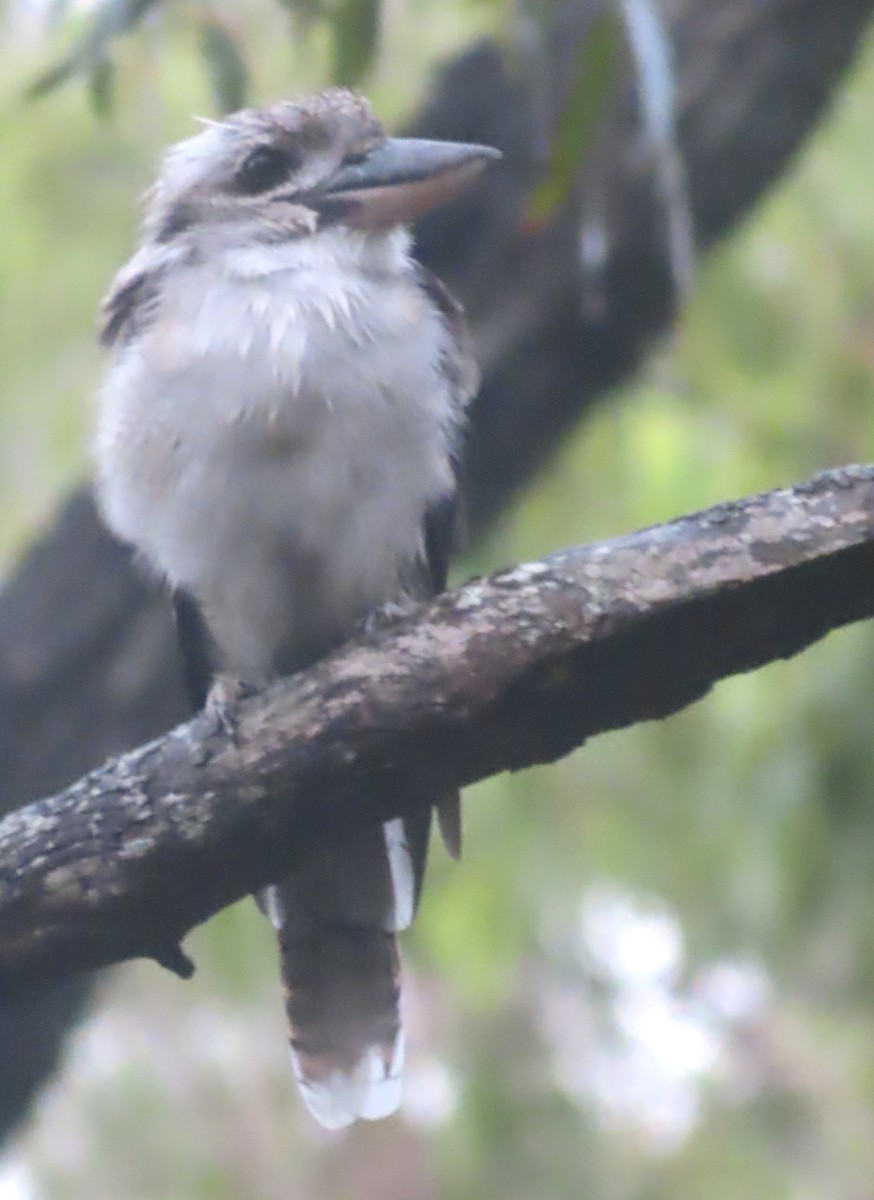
x=263 y=169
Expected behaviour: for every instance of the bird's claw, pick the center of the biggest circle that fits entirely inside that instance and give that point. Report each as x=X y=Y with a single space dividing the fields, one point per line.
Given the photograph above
x=222 y=703
x=387 y=614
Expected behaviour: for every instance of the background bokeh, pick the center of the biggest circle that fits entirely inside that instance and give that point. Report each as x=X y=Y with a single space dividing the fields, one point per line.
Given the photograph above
x=652 y=976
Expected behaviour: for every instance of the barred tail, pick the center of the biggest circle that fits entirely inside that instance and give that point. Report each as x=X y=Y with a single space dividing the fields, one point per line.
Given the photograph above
x=341 y=996
x=336 y=918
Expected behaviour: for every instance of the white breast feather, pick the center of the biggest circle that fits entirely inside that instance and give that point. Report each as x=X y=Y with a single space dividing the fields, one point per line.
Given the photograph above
x=281 y=427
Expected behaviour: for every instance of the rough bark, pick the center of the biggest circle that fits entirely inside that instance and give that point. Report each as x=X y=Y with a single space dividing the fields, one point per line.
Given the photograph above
x=504 y=672
x=86 y=657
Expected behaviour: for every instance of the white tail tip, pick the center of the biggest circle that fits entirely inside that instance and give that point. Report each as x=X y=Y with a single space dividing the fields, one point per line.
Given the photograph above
x=370 y=1091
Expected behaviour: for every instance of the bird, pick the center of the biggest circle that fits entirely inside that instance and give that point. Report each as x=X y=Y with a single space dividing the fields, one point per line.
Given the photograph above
x=278 y=438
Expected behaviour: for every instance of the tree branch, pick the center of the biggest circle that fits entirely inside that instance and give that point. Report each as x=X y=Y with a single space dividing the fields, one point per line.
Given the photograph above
x=515 y=669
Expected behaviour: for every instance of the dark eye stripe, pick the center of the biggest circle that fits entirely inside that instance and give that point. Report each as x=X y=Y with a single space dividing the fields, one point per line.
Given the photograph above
x=265 y=168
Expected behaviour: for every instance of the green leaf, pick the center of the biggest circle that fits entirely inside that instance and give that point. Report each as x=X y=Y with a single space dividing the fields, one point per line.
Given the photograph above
x=356 y=39
x=228 y=74
x=101 y=86
x=306 y=11
x=111 y=19
x=52 y=77
x=578 y=122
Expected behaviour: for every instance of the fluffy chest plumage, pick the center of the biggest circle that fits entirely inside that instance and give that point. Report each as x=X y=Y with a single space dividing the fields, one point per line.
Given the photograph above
x=273 y=441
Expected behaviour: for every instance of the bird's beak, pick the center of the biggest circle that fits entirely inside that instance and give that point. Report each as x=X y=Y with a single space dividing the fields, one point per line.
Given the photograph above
x=398 y=180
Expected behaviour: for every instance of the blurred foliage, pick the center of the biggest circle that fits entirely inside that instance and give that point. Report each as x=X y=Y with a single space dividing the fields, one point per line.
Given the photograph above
x=577 y=124
x=109 y=20
x=652 y=977
x=356 y=37
x=354 y=27
x=227 y=70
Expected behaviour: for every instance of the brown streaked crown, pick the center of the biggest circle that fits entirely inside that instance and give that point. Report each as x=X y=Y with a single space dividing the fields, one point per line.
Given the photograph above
x=235 y=168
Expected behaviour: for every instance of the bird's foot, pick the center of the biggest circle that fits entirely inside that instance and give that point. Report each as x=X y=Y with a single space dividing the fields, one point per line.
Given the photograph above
x=387 y=614
x=223 y=702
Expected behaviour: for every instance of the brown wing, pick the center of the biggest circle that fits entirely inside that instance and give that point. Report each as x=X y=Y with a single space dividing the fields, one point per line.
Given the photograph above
x=197 y=654
x=441 y=521
x=458 y=360
x=132 y=301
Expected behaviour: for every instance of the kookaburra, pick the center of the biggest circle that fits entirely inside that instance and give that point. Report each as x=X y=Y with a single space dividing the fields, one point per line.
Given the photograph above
x=278 y=438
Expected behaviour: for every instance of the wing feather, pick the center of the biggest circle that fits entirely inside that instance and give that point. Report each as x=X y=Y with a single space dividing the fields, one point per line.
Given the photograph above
x=441 y=521
x=134 y=296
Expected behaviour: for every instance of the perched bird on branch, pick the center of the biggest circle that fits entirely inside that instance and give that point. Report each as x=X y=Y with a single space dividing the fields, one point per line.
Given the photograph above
x=278 y=438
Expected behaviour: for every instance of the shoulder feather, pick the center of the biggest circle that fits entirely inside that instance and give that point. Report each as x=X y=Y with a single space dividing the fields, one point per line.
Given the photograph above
x=458 y=360
x=133 y=298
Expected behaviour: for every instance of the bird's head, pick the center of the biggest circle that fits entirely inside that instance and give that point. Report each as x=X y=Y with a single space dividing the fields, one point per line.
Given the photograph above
x=274 y=174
